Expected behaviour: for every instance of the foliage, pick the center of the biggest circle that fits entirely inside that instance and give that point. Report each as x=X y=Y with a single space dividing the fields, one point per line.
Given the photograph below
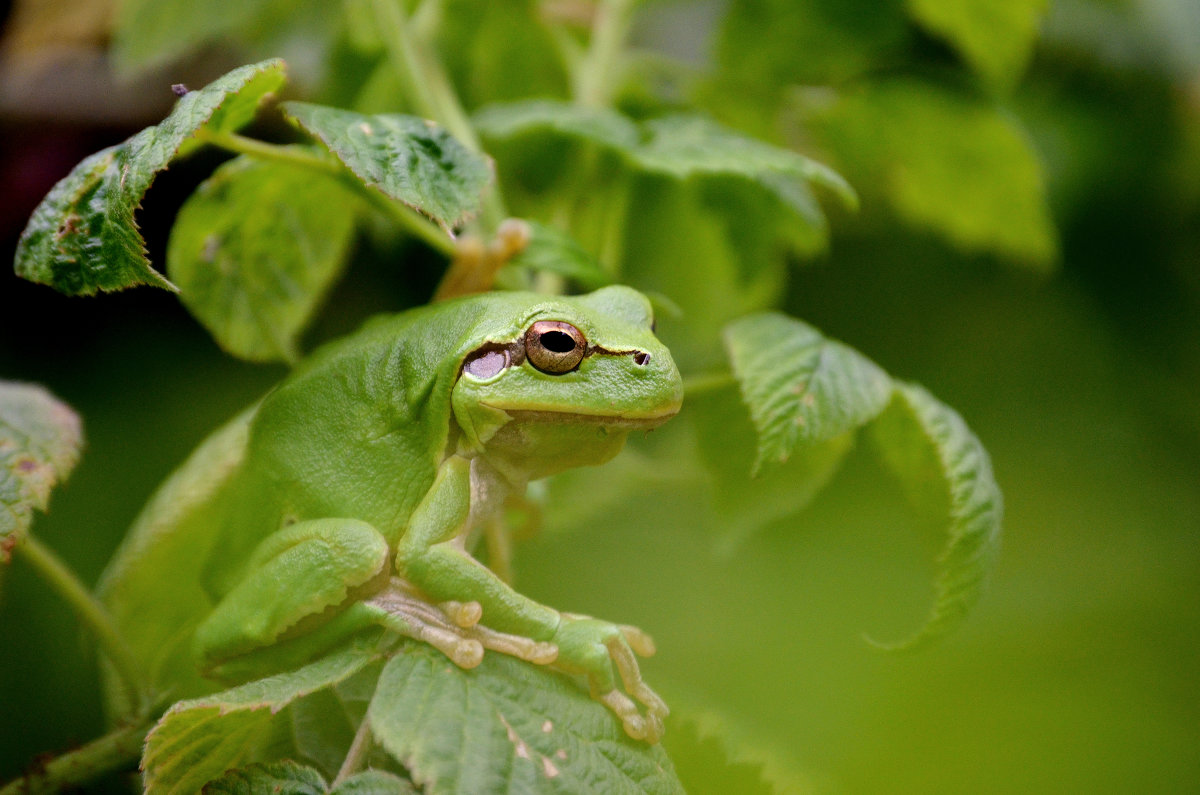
x=703 y=204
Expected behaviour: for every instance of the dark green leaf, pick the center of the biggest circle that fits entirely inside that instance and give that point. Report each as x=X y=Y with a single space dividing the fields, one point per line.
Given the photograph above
x=409 y=159
x=197 y=740
x=948 y=162
x=800 y=387
x=995 y=36
x=948 y=472
x=255 y=250
x=506 y=726
x=553 y=251
x=83 y=236
x=273 y=778
x=40 y=440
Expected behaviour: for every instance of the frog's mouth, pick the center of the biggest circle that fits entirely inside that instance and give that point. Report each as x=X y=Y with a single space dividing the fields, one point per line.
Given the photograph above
x=615 y=420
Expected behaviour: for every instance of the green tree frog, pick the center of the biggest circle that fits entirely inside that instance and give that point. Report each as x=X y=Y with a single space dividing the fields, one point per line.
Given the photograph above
x=351 y=494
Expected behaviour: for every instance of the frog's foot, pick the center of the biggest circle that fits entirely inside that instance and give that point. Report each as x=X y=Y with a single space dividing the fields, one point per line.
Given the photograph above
x=452 y=628
x=607 y=652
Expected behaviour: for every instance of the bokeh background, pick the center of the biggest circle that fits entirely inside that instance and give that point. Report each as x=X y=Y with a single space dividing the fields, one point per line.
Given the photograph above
x=1067 y=335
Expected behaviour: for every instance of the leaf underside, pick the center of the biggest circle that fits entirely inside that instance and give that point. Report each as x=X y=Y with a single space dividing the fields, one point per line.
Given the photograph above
x=256 y=248
x=40 y=442
x=83 y=237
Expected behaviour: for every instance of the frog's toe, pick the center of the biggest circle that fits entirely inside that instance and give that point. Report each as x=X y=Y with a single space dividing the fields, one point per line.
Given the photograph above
x=638 y=640
x=463 y=614
x=623 y=707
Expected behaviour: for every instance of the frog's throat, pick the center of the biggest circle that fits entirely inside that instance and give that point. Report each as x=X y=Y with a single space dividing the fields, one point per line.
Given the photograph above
x=550 y=416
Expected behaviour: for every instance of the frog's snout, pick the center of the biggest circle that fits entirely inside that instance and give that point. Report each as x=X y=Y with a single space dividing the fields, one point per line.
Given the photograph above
x=641 y=358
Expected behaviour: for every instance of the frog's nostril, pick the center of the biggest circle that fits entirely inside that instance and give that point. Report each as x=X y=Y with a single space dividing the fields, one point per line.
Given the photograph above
x=640 y=357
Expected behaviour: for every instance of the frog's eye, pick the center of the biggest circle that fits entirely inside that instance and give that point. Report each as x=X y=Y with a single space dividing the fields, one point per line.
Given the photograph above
x=554 y=347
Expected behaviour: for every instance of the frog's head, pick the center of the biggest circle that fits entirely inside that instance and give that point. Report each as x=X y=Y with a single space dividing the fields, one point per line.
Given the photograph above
x=555 y=382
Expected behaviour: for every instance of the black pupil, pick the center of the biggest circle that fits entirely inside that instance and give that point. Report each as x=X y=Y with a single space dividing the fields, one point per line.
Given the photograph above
x=557 y=342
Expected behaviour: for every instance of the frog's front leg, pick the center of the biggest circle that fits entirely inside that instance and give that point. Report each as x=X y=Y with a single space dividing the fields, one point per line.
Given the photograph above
x=432 y=557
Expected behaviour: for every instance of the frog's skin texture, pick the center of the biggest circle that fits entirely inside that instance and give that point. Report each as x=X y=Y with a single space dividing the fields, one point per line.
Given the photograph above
x=349 y=496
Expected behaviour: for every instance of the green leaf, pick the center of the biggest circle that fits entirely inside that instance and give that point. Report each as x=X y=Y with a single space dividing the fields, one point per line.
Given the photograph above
x=995 y=36
x=197 y=740
x=800 y=387
x=374 y=782
x=948 y=162
x=685 y=146
x=551 y=250
x=273 y=778
x=40 y=441
x=409 y=159
x=506 y=727
x=256 y=249
x=150 y=33
x=83 y=237
x=947 y=471
x=601 y=126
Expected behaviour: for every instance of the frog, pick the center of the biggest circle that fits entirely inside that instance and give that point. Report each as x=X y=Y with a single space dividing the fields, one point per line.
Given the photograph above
x=353 y=495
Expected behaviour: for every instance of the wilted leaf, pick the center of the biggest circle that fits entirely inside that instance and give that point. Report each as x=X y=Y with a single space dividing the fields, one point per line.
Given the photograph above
x=83 y=237
x=40 y=440
x=800 y=387
x=506 y=727
x=995 y=36
x=197 y=740
x=407 y=158
x=947 y=470
x=255 y=250
x=948 y=162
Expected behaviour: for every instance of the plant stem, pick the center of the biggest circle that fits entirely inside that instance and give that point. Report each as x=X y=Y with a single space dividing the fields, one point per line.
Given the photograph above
x=91 y=613
x=707 y=382
x=105 y=754
x=356 y=756
x=594 y=83
x=429 y=90
x=413 y=222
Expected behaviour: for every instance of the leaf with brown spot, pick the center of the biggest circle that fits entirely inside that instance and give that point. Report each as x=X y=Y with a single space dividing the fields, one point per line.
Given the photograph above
x=40 y=441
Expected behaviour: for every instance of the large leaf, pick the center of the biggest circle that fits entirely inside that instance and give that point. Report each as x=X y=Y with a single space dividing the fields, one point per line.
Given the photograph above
x=552 y=251
x=256 y=248
x=407 y=158
x=949 y=162
x=948 y=472
x=40 y=440
x=197 y=740
x=601 y=126
x=506 y=727
x=995 y=36
x=801 y=388
x=83 y=237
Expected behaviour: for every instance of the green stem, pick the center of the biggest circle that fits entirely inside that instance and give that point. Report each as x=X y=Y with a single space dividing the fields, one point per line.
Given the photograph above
x=707 y=382
x=594 y=82
x=429 y=90
x=413 y=222
x=121 y=747
x=91 y=613
x=356 y=756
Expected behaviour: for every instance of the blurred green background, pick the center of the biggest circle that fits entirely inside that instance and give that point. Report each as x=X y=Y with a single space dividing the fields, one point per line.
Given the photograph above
x=1080 y=669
